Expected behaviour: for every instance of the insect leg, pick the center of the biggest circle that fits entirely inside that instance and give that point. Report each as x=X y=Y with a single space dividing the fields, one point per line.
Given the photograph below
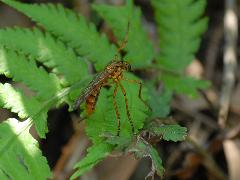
x=116 y=108
x=139 y=91
x=127 y=109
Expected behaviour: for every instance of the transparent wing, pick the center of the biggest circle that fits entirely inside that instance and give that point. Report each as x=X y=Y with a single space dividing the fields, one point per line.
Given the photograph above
x=97 y=80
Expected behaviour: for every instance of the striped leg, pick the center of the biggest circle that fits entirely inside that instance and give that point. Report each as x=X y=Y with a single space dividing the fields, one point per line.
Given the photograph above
x=139 y=91
x=116 y=108
x=127 y=109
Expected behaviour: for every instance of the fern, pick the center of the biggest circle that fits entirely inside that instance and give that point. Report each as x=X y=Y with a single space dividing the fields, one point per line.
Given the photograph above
x=139 y=48
x=180 y=26
x=101 y=124
x=22 y=158
x=184 y=85
x=24 y=107
x=182 y=20
x=63 y=49
x=79 y=35
x=45 y=49
x=172 y=132
x=163 y=101
x=21 y=70
x=95 y=154
x=144 y=149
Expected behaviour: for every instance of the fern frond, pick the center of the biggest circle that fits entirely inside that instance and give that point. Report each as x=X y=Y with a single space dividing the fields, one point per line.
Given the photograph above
x=172 y=132
x=159 y=102
x=95 y=154
x=180 y=26
x=139 y=48
x=16 y=66
x=20 y=157
x=70 y=28
x=103 y=121
x=45 y=49
x=184 y=85
x=144 y=149
x=24 y=107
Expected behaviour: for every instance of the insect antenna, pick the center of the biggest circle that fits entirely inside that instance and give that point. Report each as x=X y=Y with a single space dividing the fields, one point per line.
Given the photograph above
x=123 y=44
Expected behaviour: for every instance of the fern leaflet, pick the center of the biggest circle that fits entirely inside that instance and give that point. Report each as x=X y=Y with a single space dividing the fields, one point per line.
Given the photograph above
x=172 y=132
x=45 y=49
x=22 y=70
x=101 y=125
x=24 y=107
x=160 y=102
x=180 y=26
x=139 y=48
x=144 y=149
x=183 y=84
x=79 y=35
x=95 y=154
x=22 y=157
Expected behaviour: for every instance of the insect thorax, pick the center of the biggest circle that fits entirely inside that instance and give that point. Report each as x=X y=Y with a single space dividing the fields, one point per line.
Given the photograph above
x=116 y=69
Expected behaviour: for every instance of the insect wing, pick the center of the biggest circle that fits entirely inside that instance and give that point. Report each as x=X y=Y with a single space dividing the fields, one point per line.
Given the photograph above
x=97 y=80
x=83 y=96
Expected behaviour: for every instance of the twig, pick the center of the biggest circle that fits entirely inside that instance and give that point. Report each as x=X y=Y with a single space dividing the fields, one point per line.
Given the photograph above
x=230 y=62
x=208 y=161
x=233 y=133
x=213 y=49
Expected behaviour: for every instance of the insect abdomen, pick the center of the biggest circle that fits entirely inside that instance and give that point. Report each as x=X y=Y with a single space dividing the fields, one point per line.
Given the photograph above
x=91 y=102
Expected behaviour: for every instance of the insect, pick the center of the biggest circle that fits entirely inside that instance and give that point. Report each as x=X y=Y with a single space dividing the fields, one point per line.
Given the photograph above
x=114 y=72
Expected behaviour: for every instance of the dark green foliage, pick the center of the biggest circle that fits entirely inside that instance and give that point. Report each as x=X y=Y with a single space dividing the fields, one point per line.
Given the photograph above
x=70 y=28
x=139 y=48
x=184 y=85
x=160 y=106
x=180 y=26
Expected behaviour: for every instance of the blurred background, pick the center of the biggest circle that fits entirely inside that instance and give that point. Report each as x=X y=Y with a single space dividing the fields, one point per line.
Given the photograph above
x=212 y=149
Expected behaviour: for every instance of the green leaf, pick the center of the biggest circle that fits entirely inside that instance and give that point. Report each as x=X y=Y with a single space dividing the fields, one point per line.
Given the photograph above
x=180 y=26
x=44 y=48
x=20 y=156
x=139 y=48
x=103 y=120
x=24 y=107
x=172 y=132
x=95 y=154
x=143 y=149
x=119 y=142
x=184 y=85
x=70 y=28
x=160 y=102
x=157 y=161
x=20 y=69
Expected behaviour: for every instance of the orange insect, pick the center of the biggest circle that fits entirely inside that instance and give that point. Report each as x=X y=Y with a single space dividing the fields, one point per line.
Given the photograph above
x=113 y=71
